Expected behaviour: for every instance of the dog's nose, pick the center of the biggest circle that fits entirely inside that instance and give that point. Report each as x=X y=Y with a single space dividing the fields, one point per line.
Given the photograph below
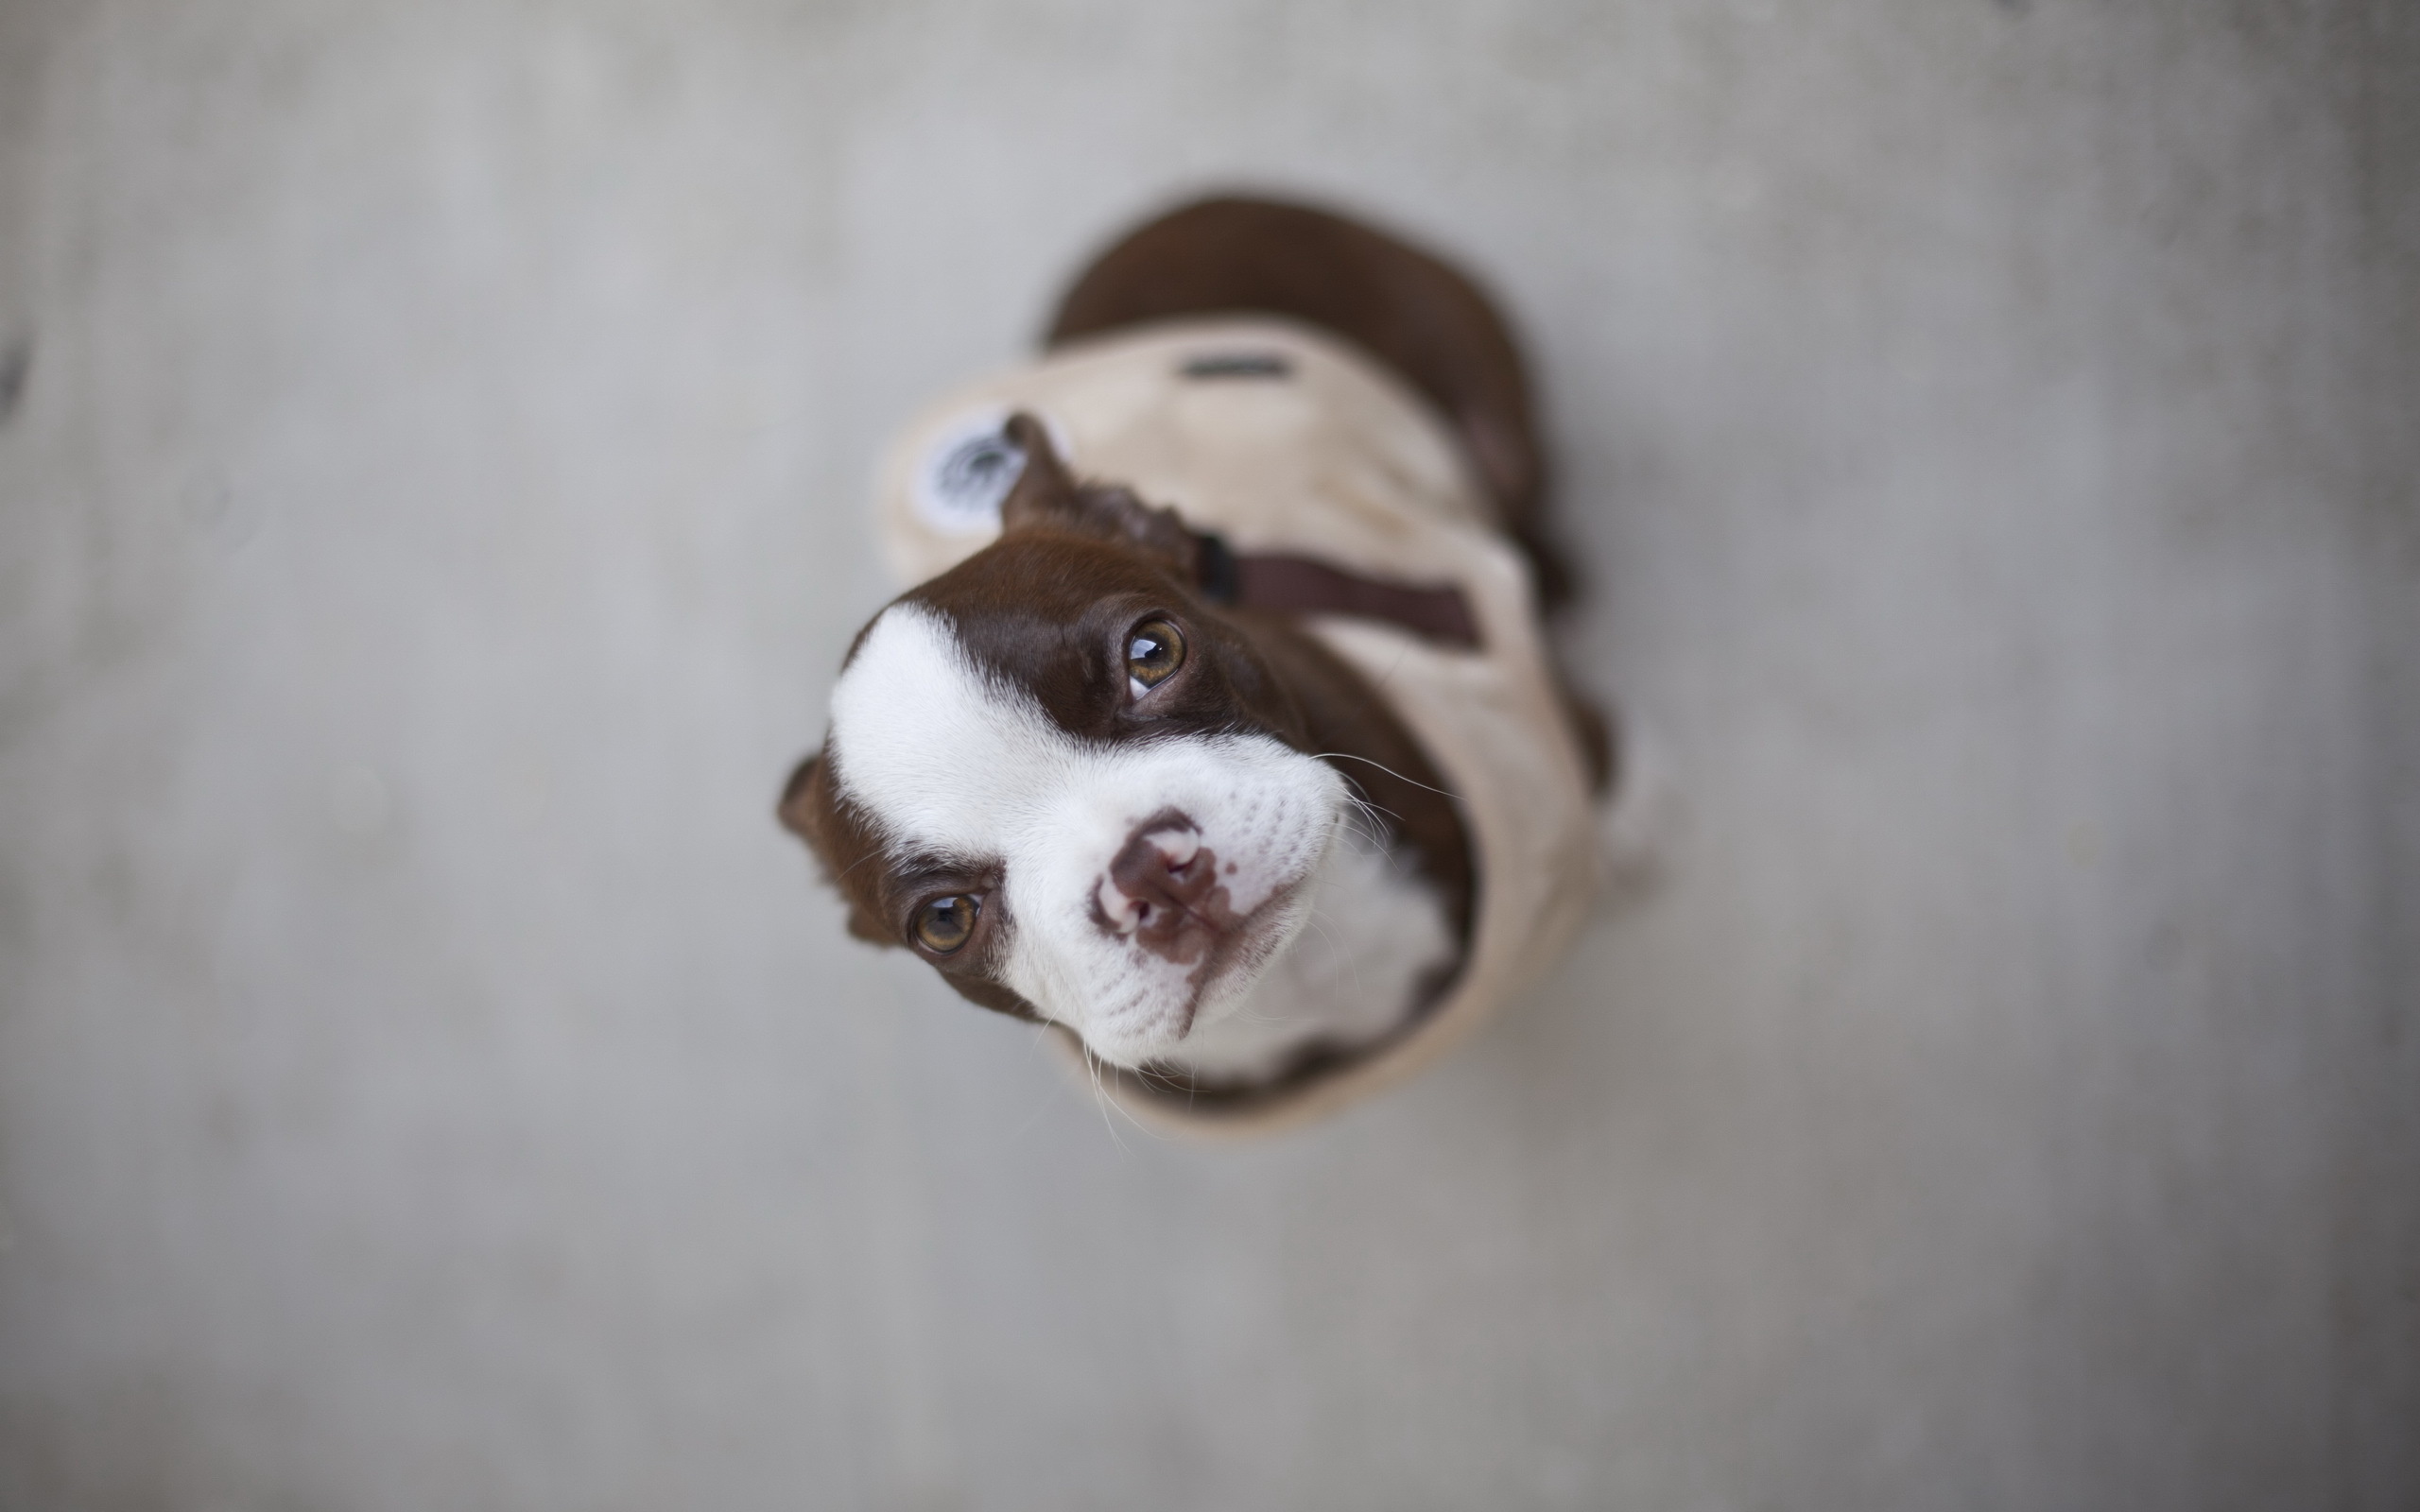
x=1159 y=888
x=1151 y=874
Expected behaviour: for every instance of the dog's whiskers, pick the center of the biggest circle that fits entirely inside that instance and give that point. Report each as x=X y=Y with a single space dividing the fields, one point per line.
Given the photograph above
x=1348 y=756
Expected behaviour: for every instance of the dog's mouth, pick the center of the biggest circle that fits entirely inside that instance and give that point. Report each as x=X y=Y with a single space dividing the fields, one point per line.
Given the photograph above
x=1242 y=949
x=1225 y=951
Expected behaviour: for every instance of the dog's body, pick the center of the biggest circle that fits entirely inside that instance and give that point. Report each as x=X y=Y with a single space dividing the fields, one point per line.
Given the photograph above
x=1215 y=787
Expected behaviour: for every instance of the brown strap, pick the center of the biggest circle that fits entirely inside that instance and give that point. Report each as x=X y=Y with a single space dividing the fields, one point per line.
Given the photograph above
x=1304 y=585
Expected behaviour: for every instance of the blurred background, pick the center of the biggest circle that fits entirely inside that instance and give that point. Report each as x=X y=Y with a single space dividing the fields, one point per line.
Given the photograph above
x=433 y=454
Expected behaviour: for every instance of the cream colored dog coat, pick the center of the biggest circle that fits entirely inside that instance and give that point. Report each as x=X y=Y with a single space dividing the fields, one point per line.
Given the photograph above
x=1282 y=439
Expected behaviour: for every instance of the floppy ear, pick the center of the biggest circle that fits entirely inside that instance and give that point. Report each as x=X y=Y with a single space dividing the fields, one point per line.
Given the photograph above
x=1047 y=497
x=793 y=810
x=807 y=810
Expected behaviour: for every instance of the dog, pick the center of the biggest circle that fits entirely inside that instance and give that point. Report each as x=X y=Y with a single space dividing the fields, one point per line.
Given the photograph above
x=1221 y=731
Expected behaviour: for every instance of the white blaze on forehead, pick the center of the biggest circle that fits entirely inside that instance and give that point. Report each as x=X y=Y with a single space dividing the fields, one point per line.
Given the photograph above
x=949 y=760
x=945 y=758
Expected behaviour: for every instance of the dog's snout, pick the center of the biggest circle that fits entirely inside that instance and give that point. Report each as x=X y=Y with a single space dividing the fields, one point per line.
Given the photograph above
x=1162 y=891
x=1156 y=873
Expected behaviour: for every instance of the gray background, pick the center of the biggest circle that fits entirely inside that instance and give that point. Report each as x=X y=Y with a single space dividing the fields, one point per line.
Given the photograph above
x=433 y=513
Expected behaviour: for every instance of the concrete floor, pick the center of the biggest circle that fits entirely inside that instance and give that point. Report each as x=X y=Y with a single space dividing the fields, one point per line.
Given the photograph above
x=431 y=514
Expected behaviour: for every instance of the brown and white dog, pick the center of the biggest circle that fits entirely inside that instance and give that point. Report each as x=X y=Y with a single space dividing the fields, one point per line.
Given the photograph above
x=1221 y=731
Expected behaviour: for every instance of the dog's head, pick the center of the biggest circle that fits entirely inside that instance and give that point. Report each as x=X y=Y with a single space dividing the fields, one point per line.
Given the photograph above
x=1062 y=775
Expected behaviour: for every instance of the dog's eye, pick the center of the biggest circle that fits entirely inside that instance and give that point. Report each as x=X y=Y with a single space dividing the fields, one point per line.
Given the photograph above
x=944 y=925
x=1153 y=649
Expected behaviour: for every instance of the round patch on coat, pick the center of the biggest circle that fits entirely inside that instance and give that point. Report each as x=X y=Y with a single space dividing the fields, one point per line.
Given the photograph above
x=968 y=469
x=966 y=473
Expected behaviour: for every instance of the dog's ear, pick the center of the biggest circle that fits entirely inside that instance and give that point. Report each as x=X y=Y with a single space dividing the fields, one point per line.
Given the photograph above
x=808 y=810
x=796 y=809
x=1047 y=497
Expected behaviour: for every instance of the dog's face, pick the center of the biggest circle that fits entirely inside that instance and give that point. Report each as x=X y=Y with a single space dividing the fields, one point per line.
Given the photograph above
x=1072 y=784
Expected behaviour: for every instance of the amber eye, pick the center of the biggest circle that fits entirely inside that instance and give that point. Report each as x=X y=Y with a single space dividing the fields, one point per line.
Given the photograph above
x=944 y=925
x=1153 y=649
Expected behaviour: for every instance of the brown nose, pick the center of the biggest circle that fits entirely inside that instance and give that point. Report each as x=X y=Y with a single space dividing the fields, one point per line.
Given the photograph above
x=1162 y=890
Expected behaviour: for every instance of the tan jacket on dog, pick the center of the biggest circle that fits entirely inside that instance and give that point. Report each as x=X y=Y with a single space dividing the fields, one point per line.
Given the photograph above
x=1282 y=439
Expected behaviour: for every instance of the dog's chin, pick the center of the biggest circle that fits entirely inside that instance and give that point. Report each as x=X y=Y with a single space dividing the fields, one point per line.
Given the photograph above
x=1222 y=985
